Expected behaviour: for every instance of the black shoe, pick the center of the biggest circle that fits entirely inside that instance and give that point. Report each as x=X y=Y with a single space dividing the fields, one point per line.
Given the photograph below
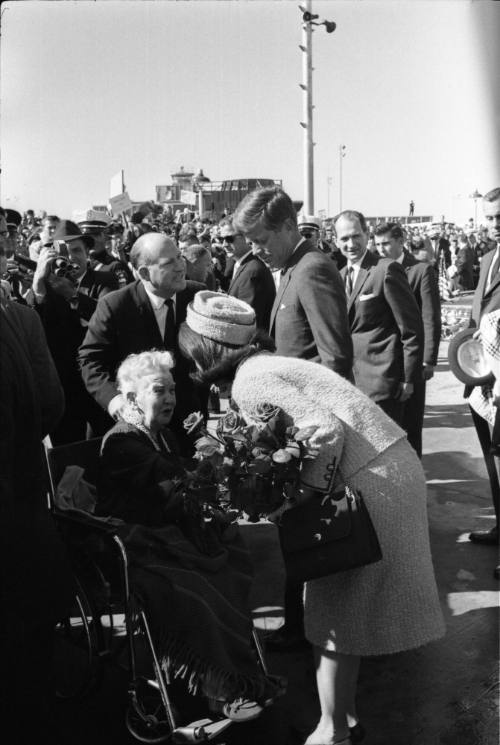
x=486 y=537
x=282 y=640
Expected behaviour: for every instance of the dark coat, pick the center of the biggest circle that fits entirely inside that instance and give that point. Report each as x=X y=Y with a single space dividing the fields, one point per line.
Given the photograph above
x=131 y=473
x=423 y=282
x=65 y=329
x=34 y=577
x=254 y=283
x=386 y=326
x=309 y=315
x=485 y=299
x=124 y=323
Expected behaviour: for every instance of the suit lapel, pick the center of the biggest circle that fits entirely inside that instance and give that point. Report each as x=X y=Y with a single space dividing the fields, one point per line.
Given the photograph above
x=363 y=273
x=240 y=268
x=285 y=279
x=147 y=313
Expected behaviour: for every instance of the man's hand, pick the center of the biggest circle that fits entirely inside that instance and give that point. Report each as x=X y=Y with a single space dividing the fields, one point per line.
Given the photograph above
x=43 y=269
x=428 y=372
x=405 y=390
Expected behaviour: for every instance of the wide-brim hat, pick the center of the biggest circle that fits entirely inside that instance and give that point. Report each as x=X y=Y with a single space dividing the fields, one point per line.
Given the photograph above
x=68 y=231
x=467 y=359
x=221 y=317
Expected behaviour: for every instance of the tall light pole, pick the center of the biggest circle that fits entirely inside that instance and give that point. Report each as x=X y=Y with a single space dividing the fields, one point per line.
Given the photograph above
x=342 y=150
x=475 y=196
x=308 y=21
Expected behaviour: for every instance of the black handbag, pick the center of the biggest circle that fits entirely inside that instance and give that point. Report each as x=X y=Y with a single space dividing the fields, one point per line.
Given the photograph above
x=328 y=534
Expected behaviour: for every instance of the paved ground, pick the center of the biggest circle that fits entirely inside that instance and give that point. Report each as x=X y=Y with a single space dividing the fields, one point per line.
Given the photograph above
x=443 y=694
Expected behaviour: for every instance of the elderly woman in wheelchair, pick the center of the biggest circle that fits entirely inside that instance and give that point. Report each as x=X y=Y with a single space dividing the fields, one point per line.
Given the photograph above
x=191 y=577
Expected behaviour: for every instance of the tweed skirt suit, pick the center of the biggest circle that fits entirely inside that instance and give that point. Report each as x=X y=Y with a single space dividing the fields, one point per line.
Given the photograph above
x=385 y=607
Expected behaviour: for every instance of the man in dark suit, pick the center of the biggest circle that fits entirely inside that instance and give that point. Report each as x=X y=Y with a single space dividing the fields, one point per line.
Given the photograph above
x=389 y=240
x=65 y=305
x=487 y=299
x=143 y=315
x=309 y=316
x=386 y=324
x=36 y=581
x=308 y=320
x=251 y=279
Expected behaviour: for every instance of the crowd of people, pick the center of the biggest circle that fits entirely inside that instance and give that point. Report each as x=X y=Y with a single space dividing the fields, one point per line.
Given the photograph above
x=138 y=319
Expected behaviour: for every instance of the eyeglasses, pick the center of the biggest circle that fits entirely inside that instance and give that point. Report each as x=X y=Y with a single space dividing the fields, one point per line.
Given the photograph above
x=230 y=238
x=306 y=234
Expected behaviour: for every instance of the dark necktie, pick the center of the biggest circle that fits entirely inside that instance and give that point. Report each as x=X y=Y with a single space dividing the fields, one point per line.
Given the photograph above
x=169 y=337
x=348 y=281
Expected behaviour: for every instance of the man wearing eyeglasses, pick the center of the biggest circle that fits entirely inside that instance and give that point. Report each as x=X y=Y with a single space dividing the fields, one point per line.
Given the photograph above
x=251 y=279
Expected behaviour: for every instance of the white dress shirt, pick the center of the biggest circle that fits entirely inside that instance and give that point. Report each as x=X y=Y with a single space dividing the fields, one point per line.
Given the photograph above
x=238 y=263
x=159 y=309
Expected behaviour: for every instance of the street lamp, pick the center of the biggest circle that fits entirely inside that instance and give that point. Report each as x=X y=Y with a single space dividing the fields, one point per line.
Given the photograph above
x=342 y=151
x=308 y=21
x=475 y=196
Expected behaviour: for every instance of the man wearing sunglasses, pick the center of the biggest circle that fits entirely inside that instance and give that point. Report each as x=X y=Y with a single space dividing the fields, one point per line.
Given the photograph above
x=251 y=279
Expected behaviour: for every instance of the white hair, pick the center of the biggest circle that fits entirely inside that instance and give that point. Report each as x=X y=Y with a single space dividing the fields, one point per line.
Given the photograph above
x=138 y=366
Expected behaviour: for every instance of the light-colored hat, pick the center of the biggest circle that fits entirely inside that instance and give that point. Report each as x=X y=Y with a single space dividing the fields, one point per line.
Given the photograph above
x=221 y=318
x=308 y=222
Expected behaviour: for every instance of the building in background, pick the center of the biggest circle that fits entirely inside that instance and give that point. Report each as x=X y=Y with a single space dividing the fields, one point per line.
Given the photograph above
x=197 y=192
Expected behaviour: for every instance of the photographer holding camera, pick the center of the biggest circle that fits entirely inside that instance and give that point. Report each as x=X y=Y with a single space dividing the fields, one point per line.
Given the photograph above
x=65 y=291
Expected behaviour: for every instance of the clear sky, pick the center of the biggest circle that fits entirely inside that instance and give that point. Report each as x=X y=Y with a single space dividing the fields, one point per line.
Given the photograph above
x=410 y=87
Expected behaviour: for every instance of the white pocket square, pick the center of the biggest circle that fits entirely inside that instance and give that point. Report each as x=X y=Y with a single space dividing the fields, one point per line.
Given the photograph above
x=282 y=306
x=368 y=296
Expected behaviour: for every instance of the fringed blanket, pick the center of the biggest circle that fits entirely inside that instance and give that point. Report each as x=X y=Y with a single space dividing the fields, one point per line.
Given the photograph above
x=197 y=609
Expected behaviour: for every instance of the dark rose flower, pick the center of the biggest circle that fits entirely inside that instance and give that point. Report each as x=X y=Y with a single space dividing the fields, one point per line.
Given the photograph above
x=193 y=422
x=231 y=423
x=265 y=412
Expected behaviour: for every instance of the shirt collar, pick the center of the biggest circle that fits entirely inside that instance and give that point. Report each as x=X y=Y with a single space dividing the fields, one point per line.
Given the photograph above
x=401 y=258
x=357 y=263
x=240 y=260
x=156 y=301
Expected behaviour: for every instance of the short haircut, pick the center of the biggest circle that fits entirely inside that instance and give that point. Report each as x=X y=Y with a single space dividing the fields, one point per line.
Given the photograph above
x=137 y=366
x=271 y=204
x=493 y=195
x=352 y=215
x=195 y=252
x=51 y=218
x=393 y=228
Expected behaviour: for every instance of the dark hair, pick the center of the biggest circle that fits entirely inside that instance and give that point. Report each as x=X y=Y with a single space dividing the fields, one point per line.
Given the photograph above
x=215 y=360
x=271 y=204
x=492 y=195
x=393 y=228
x=352 y=215
x=194 y=252
x=52 y=218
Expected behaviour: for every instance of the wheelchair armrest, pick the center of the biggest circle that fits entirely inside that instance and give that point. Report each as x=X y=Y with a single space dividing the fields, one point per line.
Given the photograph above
x=79 y=518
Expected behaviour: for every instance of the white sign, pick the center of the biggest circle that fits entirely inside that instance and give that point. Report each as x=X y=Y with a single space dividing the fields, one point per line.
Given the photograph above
x=116 y=185
x=188 y=197
x=120 y=204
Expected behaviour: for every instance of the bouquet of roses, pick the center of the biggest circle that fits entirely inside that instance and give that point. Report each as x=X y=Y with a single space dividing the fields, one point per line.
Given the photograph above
x=254 y=466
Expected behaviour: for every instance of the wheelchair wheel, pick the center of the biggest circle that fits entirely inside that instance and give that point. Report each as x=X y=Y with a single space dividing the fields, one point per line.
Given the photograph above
x=145 y=719
x=76 y=649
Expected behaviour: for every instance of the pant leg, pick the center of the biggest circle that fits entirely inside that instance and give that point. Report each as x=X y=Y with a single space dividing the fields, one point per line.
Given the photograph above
x=393 y=408
x=484 y=436
x=413 y=417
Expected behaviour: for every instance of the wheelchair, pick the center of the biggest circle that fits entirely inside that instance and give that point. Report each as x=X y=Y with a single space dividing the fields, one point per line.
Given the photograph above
x=107 y=622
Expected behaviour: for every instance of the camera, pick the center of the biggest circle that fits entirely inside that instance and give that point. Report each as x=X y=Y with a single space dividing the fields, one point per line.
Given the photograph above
x=61 y=266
